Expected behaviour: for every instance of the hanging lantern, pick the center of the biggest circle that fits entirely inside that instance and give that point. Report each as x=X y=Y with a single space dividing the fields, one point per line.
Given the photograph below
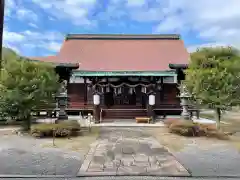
x=96 y=99
x=151 y=99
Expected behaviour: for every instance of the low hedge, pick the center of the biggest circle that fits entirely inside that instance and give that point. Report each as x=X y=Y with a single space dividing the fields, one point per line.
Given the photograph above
x=191 y=129
x=61 y=129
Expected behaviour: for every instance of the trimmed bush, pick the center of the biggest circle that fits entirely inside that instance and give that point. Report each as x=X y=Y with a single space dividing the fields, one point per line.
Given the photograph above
x=168 y=122
x=185 y=128
x=191 y=129
x=62 y=129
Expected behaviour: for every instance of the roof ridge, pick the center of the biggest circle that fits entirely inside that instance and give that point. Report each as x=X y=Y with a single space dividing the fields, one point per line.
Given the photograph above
x=123 y=36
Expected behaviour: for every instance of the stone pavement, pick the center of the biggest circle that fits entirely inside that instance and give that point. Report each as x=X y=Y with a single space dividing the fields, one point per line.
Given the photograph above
x=129 y=151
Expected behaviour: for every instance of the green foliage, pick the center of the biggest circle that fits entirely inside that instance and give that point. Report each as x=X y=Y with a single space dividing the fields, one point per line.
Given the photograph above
x=213 y=77
x=191 y=129
x=24 y=86
x=62 y=129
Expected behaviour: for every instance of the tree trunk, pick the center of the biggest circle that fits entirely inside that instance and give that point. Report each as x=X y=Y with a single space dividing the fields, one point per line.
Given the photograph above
x=27 y=123
x=218 y=117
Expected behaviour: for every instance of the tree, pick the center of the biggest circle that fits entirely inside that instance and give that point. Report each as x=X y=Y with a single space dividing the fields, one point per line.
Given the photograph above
x=213 y=78
x=26 y=85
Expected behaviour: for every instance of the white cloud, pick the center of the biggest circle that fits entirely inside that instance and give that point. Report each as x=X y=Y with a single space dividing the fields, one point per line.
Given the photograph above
x=32 y=40
x=9 y=36
x=33 y=25
x=26 y=14
x=53 y=46
x=171 y=24
x=215 y=20
x=9 y=7
x=77 y=11
x=134 y=3
x=146 y=14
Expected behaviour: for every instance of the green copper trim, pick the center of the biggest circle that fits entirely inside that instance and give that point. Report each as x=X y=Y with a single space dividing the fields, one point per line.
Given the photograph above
x=123 y=73
x=123 y=36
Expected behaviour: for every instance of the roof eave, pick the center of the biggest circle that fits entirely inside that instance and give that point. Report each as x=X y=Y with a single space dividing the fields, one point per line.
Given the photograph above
x=123 y=36
x=178 y=66
x=57 y=64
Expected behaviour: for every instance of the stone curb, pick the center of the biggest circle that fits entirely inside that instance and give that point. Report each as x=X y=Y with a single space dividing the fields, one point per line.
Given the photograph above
x=179 y=164
x=128 y=125
x=34 y=176
x=94 y=174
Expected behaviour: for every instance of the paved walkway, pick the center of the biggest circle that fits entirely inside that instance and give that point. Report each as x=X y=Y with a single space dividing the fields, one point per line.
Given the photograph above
x=127 y=151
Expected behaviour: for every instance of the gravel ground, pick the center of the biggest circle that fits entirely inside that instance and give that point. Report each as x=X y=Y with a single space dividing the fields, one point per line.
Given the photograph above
x=24 y=156
x=216 y=160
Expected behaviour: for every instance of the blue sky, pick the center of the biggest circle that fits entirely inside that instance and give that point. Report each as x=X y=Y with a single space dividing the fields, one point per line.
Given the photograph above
x=38 y=27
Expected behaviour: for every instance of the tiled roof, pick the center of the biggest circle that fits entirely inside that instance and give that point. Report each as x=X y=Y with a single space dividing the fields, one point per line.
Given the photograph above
x=121 y=52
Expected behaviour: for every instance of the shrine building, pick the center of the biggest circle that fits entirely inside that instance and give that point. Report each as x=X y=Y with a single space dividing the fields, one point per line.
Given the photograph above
x=119 y=73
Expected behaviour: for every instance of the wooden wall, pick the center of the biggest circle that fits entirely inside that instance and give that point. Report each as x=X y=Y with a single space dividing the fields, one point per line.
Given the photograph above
x=76 y=96
x=169 y=93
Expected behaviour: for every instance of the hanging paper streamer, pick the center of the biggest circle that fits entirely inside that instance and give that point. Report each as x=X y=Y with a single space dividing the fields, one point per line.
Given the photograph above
x=119 y=90
x=102 y=89
x=144 y=89
x=123 y=84
x=88 y=88
x=107 y=89
x=130 y=90
x=116 y=91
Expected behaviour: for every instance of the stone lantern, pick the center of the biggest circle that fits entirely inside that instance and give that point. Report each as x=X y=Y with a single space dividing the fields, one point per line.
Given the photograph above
x=185 y=96
x=62 y=101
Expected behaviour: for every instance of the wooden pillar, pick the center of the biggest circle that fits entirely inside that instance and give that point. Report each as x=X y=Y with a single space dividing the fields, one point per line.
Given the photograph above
x=85 y=91
x=96 y=113
x=162 y=90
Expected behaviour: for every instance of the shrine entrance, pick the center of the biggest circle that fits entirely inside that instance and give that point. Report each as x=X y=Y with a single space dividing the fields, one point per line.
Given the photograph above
x=125 y=97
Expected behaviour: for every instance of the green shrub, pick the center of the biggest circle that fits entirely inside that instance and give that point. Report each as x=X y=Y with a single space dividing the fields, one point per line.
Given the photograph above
x=61 y=129
x=184 y=128
x=168 y=122
x=190 y=129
